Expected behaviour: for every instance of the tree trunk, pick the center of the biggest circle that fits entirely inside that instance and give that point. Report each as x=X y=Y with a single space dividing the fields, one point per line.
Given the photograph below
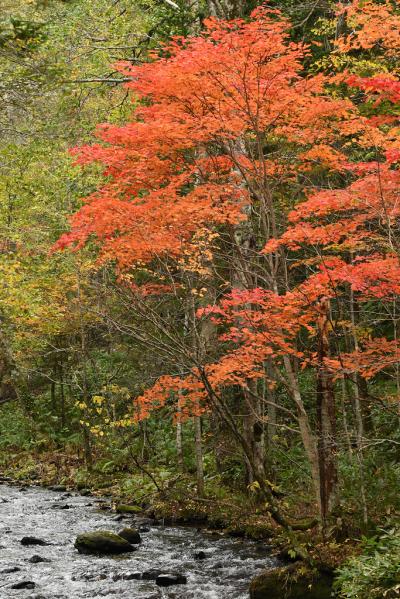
x=85 y=381
x=179 y=444
x=199 y=455
x=230 y=9
x=253 y=431
x=326 y=421
x=308 y=439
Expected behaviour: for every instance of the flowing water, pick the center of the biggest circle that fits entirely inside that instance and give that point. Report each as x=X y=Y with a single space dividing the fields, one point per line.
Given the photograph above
x=225 y=573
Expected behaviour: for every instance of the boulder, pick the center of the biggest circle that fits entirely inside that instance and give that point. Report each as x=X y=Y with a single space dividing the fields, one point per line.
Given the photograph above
x=200 y=555
x=24 y=584
x=102 y=541
x=10 y=570
x=291 y=582
x=33 y=541
x=131 y=535
x=37 y=559
x=168 y=580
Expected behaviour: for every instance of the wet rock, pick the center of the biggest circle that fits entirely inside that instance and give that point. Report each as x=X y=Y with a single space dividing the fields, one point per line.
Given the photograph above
x=103 y=507
x=60 y=506
x=37 y=559
x=23 y=584
x=151 y=574
x=127 y=576
x=200 y=555
x=22 y=489
x=291 y=582
x=169 y=580
x=119 y=518
x=85 y=492
x=149 y=522
x=237 y=534
x=89 y=576
x=102 y=541
x=33 y=541
x=10 y=570
x=131 y=535
x=127 y=509
x=144 y=528
x=66 y=495
x=58 y=488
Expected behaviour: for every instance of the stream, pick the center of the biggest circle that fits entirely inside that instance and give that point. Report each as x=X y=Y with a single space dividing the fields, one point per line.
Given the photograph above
x=225 y=573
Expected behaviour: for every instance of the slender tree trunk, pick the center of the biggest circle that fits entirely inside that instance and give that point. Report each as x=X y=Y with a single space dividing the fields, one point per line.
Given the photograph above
x=179 y=444
x=358 y=413
x=271 y=408
x=253 y=431
x=308 y=439
x=85 y=381
x=344 y=418
x=199 y=455
x=62 y=397
x=326 y=422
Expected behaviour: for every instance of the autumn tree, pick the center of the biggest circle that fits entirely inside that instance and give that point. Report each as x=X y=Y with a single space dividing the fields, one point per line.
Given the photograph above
x=201 y=153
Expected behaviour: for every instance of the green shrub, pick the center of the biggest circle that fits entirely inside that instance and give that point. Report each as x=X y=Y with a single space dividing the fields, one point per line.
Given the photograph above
x=376 y=573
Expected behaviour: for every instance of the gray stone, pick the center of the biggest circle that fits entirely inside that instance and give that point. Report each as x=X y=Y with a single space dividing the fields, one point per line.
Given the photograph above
x=168 y=580
x=10 y=570
x=24 y=584
x=33 y=541
x=37 y=559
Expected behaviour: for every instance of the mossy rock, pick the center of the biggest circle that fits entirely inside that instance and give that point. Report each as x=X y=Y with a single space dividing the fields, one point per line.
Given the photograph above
x=291 y=582
x=127 y=509
x=102 y=541
x=131 y=535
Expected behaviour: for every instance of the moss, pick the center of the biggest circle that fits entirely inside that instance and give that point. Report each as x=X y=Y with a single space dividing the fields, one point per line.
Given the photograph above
x=127 y=509
x=102 y=541
x=131 y=535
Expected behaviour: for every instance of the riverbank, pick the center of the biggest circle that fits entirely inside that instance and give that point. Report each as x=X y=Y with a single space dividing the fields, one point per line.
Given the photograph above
x=173 y=500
